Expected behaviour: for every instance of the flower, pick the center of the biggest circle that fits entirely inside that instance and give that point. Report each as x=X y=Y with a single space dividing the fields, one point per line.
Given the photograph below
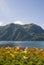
x=12 y=55
x=26 y=49
x=42 y=53
x=17 y=48
x=31 y=57
x=25 y=57
x=25 y=52
x=42 y=57
x=37 y=51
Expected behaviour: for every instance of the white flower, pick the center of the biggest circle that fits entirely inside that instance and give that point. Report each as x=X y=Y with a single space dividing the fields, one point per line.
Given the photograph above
x=41 y=49
x=25 y=51
x=25 y=57
x=26 y=48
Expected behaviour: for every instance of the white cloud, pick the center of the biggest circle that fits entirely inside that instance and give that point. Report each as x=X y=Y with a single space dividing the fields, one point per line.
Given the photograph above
x=1 y=23
x=19 y=22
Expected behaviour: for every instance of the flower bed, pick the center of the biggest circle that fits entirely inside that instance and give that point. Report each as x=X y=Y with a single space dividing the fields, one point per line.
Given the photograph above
x=19 y=56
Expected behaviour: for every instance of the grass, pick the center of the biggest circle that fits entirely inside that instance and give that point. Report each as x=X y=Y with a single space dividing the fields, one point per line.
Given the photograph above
x=19 y=56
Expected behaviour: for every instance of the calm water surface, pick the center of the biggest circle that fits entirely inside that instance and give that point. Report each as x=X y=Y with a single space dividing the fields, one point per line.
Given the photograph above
x=23 y=44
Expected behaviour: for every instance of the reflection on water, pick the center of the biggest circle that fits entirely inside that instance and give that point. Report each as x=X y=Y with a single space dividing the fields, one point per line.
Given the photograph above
x=39 y=44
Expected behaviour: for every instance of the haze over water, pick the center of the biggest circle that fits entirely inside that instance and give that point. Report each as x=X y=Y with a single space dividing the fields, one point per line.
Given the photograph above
x=23 y=44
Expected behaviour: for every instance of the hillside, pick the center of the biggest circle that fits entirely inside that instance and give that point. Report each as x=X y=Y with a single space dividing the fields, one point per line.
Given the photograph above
x=16 y=32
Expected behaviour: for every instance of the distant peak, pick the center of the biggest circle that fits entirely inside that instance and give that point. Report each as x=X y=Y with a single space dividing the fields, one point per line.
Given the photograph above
x=32 y=24
x=12 y=24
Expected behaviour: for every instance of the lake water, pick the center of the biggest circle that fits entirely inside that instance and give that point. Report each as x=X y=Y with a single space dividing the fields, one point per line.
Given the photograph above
x=23 y=44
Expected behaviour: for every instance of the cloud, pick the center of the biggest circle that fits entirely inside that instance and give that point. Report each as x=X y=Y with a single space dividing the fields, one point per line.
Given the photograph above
x=19 y=22
x=1 y=23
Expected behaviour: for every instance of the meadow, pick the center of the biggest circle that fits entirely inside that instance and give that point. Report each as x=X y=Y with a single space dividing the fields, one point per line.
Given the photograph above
x=21 y=56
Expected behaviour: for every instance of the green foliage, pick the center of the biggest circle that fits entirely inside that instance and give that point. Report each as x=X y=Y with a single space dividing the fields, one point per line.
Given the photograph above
x=18 y=56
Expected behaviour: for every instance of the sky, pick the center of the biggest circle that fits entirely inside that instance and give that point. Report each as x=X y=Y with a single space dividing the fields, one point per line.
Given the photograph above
x=22 y=12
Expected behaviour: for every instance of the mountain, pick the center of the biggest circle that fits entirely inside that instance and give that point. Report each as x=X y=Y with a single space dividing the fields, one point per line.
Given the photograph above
x=16 y=32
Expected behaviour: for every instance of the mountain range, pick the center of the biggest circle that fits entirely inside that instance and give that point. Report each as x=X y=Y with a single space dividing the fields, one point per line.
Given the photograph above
x=16 y=32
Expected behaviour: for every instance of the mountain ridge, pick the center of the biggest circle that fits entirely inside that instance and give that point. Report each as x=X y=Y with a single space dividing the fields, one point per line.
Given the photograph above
x=16 y=32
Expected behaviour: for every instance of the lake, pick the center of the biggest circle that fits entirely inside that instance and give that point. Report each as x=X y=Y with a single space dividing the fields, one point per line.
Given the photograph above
x=23 y=44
